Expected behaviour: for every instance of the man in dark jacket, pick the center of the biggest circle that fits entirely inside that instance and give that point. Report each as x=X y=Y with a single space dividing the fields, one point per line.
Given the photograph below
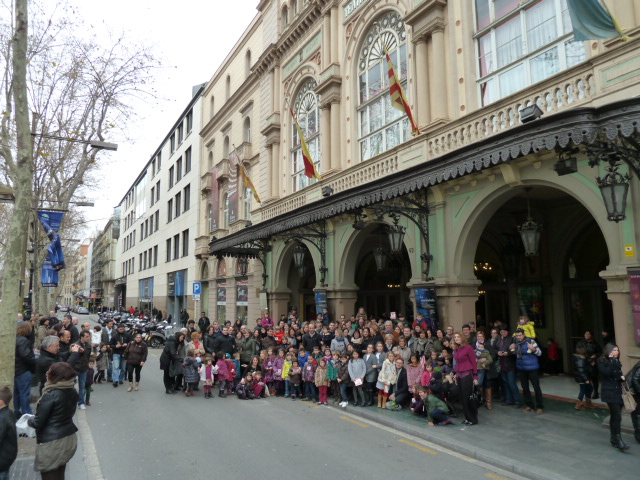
x=8 y=434
x=107 y=334
x=203 y=323
x=49 y=354
x=81 y=365
x=184 y=317
x=311 y=339
x=119 y=342
x=225 y=343
x=401 y=393
x=508 y=369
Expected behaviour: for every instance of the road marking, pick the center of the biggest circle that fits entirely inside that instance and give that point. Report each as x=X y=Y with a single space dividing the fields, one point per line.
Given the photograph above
x=494 y=476
x=356 y=422
x=419 y=447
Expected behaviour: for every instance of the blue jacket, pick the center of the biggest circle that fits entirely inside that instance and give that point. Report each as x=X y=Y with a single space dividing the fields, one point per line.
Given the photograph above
x=525 y=360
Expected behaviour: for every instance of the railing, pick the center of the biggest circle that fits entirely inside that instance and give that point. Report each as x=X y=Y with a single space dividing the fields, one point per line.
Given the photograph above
x=577 y=86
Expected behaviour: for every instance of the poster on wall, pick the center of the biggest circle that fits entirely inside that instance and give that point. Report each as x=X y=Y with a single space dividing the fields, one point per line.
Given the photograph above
x=263 y=300
x=634 y=290
x=427 y=306
x=321 y=301
x=531 y=304
x=222 y=295
x=215 y=200
x=242 y=300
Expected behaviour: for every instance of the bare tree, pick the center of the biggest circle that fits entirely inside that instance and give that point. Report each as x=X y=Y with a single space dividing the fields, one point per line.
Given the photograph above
x=61 y=90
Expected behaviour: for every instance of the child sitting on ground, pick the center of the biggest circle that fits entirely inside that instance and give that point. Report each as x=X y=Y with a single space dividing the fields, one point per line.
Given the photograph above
x=258 y=385
x=244 y=389
x=435 y=409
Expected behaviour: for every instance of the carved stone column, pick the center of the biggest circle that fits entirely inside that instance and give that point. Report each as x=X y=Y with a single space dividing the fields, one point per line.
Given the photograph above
x=335 y=29
x=325 y=138
x=439 y=74
x=336 y=136
x=326 y=40
x=422 y=81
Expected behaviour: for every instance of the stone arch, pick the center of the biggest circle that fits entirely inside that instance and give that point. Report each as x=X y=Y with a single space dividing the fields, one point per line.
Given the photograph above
x=204 y=270
x=492 y=197
x=283 y=260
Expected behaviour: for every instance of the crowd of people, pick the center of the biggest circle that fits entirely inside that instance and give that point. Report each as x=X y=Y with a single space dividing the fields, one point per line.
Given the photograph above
x=357 y=361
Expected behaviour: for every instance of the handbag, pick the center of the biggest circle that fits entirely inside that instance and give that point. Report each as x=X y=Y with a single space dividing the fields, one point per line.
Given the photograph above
x=477 y=397
x=627 y=399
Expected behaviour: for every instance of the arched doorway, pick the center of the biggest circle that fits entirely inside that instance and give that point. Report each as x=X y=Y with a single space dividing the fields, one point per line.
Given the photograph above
x=301 y=283
x=559 y=288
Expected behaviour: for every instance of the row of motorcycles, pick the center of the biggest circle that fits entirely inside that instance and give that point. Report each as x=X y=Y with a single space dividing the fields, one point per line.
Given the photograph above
x=153 y=333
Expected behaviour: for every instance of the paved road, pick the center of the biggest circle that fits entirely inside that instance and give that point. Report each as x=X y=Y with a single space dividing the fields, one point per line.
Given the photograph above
x=151 y=435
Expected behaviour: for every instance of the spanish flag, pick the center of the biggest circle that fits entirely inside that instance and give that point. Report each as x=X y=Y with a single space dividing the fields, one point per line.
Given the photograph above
x=246 y=181
x=309 y=167
x=398 y=98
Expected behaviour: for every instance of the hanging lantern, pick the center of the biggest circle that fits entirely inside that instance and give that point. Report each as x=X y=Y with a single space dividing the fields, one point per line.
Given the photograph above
x=243 y=266
x=530 y=232
x=396 y=236
x=380 y=256
x=299 y=252
x=614 y=188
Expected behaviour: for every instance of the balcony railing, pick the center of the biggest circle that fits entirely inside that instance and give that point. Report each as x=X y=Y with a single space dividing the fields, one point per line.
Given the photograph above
x=582 y=85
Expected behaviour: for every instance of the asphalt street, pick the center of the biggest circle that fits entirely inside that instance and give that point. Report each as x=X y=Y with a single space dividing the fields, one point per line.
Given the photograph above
x=151 y=435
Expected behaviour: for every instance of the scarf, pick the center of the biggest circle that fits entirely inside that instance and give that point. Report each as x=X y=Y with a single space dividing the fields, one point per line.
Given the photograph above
x=61 y=385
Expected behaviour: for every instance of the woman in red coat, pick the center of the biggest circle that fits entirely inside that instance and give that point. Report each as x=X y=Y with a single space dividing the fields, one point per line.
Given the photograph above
x=466 y=376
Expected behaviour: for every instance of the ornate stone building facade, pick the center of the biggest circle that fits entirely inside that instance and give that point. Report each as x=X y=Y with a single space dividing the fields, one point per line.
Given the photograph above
x=494 y=211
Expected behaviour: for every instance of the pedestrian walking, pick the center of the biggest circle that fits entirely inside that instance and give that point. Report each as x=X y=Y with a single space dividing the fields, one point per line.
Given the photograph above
x=610 y=370
x=135 y=355
x=171 y=362
x=25 y=365
x=119 y=342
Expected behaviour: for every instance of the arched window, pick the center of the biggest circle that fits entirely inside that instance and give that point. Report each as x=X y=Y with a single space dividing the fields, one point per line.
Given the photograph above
x=308 y=114
x=247 y=64
x=294 y=7
x=246 y=130
x=225 y=147
x=247 y=203
x=212 y=104
x=227 y=90
x=225 y=211
x=285 y=17
x=382 y=126
x=210 y=162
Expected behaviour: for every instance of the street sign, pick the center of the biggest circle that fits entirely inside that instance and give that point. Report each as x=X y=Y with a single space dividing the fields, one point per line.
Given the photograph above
x=197 y=288
x=196 y=298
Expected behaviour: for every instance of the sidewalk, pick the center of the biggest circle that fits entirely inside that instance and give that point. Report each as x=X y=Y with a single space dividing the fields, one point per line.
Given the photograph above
x=561 y=444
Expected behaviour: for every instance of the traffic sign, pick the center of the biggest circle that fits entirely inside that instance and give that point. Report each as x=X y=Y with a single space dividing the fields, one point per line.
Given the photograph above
x=196 y=297
x=197 y=288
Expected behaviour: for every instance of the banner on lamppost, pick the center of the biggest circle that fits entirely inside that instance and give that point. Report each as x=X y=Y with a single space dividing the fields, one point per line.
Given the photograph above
x=49 y=275
x=51 y=221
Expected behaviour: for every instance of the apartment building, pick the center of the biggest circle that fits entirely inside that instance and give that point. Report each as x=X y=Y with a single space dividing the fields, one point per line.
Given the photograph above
x=159 y=222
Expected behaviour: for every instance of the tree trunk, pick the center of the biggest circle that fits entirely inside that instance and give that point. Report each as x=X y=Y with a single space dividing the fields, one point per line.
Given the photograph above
x=22 y=184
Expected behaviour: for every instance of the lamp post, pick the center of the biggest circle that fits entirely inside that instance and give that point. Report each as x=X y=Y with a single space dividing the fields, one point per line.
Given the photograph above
x=243 y=266
x=396 y=236
x=614 y=188
x=299 y=253
x=380 y=256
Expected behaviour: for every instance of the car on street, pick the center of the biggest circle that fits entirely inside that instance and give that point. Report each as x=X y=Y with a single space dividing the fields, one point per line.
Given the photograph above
x=83 y=310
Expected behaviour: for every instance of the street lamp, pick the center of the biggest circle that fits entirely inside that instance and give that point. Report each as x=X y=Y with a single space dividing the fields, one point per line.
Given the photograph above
x=97 y=144
x=614 y=188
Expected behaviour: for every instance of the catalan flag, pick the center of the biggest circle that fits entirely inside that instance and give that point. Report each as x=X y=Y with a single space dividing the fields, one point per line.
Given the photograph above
x=247 y=182
x=592 y=20
x=398 y=98
x=309 y=167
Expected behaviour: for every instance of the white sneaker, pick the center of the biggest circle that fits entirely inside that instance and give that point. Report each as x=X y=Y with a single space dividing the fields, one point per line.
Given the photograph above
x=82 y=407
x=344 y=404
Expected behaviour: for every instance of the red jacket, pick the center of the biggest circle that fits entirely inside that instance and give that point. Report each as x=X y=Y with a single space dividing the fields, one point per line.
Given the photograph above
x=466 y=360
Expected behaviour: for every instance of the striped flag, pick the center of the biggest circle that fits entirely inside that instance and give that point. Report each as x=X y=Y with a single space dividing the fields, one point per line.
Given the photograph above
x=247 y=182
x=592 y=20
x=309 y=167
x=398 y=98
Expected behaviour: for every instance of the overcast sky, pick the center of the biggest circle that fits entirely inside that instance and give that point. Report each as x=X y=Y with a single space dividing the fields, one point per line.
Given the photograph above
x=192 y=37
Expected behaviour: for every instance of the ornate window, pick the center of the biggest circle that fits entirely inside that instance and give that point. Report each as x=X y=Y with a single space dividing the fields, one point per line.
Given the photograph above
x=225 y=211
x=382 y=126
x=308 y=114
x=519 y=46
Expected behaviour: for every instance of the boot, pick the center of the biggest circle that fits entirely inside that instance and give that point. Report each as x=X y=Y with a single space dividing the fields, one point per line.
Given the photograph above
x=384 y=401
x=130 y=387
x=580 y=405
x=588 y=403
x=379 y=401
x=137 y=386
x=488 y=396
x=616 y=442
x=221 y=394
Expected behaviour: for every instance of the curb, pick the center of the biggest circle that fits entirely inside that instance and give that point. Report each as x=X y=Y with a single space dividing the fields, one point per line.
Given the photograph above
x=468 y=450
x=90 y=454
